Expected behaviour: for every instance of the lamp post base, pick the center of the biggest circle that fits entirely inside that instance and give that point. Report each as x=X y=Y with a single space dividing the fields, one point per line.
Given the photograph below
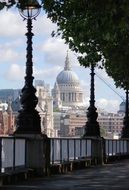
x=125 y=129
x=28 y=123
x=92 y=126
x=125 y=133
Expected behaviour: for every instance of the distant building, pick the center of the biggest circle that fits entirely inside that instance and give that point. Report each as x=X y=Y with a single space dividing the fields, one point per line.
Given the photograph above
x=45 y=107
x=122 y=107
x=72 y=123
x=9 y=93
x=69 y=123
x=16 y=105
x=67 y=90
x=7 y=120
x=1 y=123
x=111 y=122
x=57 y=123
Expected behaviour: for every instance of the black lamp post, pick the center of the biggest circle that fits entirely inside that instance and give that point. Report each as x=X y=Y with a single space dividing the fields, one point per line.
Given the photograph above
x=28 y=120
x=125 y=130
x=92 y=126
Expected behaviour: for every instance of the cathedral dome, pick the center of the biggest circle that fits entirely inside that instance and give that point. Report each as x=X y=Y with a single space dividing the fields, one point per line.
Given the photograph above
x=67 y=77
x=67 y=90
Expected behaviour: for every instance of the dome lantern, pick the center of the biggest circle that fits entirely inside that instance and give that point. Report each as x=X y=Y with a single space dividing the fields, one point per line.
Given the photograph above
x=67 y=66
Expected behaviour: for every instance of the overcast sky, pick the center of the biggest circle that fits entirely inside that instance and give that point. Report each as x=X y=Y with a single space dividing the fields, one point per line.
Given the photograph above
x=48 y=58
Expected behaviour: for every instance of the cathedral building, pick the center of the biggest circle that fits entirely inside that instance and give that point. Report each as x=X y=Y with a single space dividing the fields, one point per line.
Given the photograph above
x=67 y=91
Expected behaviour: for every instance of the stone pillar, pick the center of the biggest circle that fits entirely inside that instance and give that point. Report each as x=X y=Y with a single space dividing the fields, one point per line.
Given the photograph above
x=66 y=97
x=80 y=97
x=38 y=154
x=75 y=97
x=72 y=96
x=69 y=97
x=97 y=150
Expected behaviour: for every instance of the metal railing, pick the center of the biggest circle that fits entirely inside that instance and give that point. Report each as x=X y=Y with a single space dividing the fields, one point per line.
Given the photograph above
x=69 y=149
x=12 y=153
x=116 y=147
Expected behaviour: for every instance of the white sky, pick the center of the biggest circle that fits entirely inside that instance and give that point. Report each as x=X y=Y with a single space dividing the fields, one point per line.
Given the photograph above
x=48 y=58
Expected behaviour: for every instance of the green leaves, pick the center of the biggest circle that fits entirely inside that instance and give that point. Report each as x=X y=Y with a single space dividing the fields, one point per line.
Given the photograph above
x=79 y=20
x=99 y=30
x=8 y=4
x=2 y=5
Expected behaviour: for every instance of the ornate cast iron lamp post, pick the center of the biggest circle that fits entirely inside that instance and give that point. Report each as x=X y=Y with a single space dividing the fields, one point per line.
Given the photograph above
x=92 y=126
x=28 y=121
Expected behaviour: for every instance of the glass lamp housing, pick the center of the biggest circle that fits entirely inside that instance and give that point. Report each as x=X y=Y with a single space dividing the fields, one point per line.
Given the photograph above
x=29 y=9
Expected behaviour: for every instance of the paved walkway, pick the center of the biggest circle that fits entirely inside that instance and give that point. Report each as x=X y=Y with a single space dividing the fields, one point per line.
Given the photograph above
x=108 y=177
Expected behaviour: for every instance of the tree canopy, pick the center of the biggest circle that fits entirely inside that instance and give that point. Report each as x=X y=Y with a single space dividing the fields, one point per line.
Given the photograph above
x=97 y=30
x=118 y=68
x=90 y=27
